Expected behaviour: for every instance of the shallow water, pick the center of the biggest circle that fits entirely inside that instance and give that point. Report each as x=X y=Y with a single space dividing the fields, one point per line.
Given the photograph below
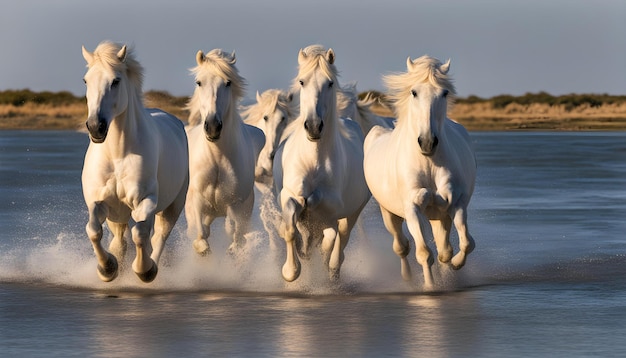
x=548 y=275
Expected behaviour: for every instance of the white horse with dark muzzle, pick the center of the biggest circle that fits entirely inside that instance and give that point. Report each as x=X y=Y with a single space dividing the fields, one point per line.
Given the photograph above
x=135 y=174
x=424 y=169
x=223 y=151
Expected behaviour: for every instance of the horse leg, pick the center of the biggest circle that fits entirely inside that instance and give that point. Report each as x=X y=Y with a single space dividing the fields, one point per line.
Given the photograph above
x=441 y=232
x=401 y=247
x=419 y=227
x=238 y=223
x=118 y=245
x=199 y=225
x=144 y=217
x=466 y=241
x=107 y=263
x=291 y=212
x=164 y=223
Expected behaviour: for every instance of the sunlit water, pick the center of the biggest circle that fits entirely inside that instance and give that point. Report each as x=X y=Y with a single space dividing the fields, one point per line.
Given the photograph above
x=548 y=276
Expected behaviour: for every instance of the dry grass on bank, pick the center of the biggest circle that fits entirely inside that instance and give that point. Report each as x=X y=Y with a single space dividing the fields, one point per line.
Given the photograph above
x=27 y=110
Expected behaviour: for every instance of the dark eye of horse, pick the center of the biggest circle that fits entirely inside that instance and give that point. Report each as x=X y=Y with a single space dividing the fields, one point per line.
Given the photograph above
x=301 y=82
x=330 y=84
x=115 y=82
x=227 y=83
x=413 y=93
x=84 y=80
x=199 y=84
x=265 y=118
x=282 y=119
x=445 y=93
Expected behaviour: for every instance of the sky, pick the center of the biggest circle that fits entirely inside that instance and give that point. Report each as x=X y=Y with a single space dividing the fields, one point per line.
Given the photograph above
x=495 y=46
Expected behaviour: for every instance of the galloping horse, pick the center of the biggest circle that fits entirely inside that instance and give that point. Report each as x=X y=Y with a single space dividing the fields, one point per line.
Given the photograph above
x=222 y=152
x=318 y=171
x=432 y=169
x=135 y=174
x=272 y=113
x=350 y=106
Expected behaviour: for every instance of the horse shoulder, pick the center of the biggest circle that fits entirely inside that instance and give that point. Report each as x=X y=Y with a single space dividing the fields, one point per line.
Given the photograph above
x=374 y=134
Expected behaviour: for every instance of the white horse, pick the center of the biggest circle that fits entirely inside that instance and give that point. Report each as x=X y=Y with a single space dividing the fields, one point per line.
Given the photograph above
x=350 y=106
x=433 y=169
x=222 y=152
x=135 y=174
x=273 y=111
x=318 y=171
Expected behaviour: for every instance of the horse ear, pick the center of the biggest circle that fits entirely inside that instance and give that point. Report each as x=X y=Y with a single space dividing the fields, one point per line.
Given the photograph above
x=233 y=58
x=330 y=56
x=88 y=56
x=409 y=63
x=445 y=67
x=301 y=57
x=199 y=57
x=258 y=97
x=121 y=54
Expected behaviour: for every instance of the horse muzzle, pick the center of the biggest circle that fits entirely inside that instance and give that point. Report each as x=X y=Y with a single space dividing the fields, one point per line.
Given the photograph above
x=213 y=129
x=428 y=145
x=313 y=129
x=97 y=130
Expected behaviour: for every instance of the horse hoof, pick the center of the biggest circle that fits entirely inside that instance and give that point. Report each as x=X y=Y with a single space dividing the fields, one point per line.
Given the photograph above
x=149 y=275
x=202 y=248
x=109 y=272
x=291 y=275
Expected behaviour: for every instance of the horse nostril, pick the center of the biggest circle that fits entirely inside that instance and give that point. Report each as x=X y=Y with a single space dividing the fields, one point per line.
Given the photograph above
x=206 y=126
x=435 y=142
x=102 y=127
x=306 y=125
x=321 y=126
x=419 y=141
x=219 y=126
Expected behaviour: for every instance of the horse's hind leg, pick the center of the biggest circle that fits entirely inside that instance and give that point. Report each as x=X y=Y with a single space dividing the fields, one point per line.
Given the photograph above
x=163 y=224
x=401 y=247
x=466 y=241
x=107 y=263
x=118 y=245
x=238 y=223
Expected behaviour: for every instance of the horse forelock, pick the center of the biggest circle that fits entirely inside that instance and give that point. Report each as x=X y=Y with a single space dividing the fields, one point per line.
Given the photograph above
x=425 y=70
x=220 y=63
x=270 y=99
x=105 y=54
x=315 y=56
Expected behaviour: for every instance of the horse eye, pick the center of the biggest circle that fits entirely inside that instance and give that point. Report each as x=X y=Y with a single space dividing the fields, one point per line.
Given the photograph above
x=265 y=118
x=413 y=93
x=330 y=84
x=84 y=80
x=301 y=82
x=199 y=84
x=115 y=82
x=282 y=119
x=227 y=83
x=445 y=93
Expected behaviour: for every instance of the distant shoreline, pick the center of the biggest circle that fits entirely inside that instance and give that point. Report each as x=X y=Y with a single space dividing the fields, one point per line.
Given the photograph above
x=27 y=110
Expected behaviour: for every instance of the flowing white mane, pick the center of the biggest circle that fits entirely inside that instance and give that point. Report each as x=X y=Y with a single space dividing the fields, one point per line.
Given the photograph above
x=423 y=70
x=218 y=63
x=106 y=55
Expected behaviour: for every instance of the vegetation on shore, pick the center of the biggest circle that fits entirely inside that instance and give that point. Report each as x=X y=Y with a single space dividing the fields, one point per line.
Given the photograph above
x=25 y=109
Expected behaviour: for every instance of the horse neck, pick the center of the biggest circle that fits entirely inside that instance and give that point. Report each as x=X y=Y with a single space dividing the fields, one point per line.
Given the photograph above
x=126 y=127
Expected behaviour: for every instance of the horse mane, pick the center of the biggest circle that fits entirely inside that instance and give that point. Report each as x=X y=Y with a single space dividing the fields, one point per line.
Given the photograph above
x=222 y=64
x=270 y=99
x=424 y=69
x=106 y=54
x=315 y=56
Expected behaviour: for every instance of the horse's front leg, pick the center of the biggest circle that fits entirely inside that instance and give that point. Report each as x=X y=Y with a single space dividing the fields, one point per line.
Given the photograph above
x=199 y=219
x=107 y=263
x=419 y=227
x=143 y=217
x=466 y=241
x=292 y=208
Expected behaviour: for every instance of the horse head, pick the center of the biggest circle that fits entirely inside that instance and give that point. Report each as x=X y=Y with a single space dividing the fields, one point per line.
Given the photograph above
x=316 y=78
x=422 y=97
x=218 y=87
x=108 y=86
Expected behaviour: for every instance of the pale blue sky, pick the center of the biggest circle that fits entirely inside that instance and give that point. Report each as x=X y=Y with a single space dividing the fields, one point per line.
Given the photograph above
x=496 y=47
